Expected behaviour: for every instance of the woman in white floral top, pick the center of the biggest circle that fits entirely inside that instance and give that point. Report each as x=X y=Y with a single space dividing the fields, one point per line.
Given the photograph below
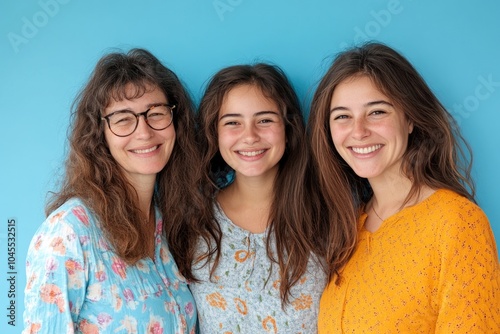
x=255 y=261
x=99 y=262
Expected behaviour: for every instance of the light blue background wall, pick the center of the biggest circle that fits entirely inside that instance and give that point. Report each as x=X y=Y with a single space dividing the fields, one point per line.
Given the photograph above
x=49 y=47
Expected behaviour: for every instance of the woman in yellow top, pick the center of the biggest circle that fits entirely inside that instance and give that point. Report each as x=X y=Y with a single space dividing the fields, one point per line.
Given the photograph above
x=422 y=258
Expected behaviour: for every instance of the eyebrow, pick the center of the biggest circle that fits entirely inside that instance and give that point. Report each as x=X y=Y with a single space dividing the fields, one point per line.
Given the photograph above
x=369 y=104
x=260 y=113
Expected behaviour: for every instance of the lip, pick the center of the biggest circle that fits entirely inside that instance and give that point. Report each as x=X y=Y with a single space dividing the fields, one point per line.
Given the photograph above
x=251 y=154
x=366 y=150
x=145 y=151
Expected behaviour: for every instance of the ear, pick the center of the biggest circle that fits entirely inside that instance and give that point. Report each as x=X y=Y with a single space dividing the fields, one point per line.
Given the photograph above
x=410 y=127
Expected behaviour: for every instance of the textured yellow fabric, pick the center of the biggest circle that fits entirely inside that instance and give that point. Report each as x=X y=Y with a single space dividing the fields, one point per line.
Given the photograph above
x=431 y=268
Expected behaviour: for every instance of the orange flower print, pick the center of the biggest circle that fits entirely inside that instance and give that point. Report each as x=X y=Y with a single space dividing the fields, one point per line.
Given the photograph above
x=247 y=286
x=38 y=242
x=100 y=276
x=241 y=255
x=241 y=306
x=72 y=267
x=269 y=324
x=276 y=284
x=216 y=300
x=304 y=302
x=303 y=280
x=51 y=294
x=116 y=300
x=88 y=328
x=183 y=325
x=55 y=218
x=58 y=245
x=164 y=256
x=34 y=328
x=119 y=267
x=155 y=327
x=30 y=281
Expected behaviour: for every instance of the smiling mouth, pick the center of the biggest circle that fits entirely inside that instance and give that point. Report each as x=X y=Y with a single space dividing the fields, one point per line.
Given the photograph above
x=366 y=150
x=147 y=150
x=252 y=153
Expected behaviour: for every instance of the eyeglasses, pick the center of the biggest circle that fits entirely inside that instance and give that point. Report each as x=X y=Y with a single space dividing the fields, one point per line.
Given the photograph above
x=124 y=122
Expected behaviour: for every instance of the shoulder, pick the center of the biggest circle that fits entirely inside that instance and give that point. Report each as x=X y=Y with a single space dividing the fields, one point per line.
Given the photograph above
x=460 y=222
x=71 y=217
x=63 y=233
x=446 y=204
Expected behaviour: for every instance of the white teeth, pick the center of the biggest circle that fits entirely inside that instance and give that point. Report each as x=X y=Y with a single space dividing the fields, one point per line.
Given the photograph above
x=366 y=150
x=146 y=150
x=251 y=154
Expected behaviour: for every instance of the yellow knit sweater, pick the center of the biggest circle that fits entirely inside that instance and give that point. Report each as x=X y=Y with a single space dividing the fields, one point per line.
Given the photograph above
x=431 y=268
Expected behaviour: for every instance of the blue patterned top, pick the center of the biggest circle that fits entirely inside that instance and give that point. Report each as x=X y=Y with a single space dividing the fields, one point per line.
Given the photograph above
x=244 y=294
x=77 y=284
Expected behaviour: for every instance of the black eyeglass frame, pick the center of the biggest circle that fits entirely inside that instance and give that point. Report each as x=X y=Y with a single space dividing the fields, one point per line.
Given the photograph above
x=145 y=114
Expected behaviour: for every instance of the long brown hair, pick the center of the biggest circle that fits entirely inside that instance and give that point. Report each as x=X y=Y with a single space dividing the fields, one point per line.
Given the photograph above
x=433 y=158
x=94 y=176
x=295 y=211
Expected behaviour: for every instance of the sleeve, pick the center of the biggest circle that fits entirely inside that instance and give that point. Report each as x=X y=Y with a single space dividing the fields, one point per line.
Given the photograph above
x=56 y=278
x=469 y=279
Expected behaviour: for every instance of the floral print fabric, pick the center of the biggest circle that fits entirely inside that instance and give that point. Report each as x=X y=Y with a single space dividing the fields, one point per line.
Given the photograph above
x=243 y=296
x=77 y=284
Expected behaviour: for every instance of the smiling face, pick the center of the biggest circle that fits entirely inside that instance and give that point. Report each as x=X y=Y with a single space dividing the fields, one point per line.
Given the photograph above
x=145 y=152
x=367 y=129
x=251 y=132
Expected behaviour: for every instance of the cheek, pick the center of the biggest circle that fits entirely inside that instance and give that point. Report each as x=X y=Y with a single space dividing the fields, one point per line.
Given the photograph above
x=227 y=137
x=336 y=136
x=112 y=142
x=278 y=135
x=338 y=140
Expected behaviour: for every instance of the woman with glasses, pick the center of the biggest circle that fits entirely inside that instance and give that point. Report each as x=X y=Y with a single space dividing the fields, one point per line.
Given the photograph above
x=99 y=263
x=252 y=256
x=422 y=257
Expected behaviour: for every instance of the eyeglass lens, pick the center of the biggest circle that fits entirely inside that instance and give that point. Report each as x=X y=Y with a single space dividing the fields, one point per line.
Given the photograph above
x=125 y=122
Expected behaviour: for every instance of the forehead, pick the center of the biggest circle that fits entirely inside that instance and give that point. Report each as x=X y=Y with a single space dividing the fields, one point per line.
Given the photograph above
x=247 y=98
x=357 y=90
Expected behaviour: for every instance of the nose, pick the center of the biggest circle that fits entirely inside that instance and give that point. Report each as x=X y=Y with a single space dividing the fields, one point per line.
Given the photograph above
x=143 y=130
x=250 y=134
x=360 y=129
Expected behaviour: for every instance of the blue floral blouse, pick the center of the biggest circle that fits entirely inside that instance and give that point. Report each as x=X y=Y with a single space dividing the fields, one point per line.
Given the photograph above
x=77 y=284
x=243 y=295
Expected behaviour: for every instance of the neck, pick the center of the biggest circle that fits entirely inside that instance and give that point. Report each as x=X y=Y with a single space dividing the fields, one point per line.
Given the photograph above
x=389 y=194
x=247 y=202
x=253 y=189
x=145 y=190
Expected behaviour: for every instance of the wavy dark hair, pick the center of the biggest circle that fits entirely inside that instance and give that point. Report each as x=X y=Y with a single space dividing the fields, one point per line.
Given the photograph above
x=434 y=156
x=94 y=176
x=295 y=210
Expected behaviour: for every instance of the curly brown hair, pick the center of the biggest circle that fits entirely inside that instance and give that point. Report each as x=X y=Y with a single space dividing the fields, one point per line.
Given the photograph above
x=93 y=175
